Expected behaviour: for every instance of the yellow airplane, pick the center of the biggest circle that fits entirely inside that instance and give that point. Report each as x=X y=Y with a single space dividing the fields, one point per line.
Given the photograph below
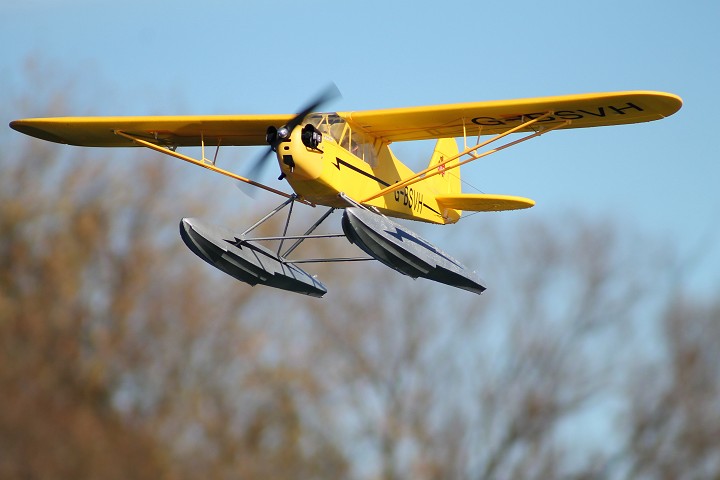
x=343 y=160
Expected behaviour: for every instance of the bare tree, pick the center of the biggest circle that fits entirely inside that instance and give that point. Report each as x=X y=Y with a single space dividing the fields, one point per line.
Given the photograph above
x=124 y=355
x=674 y=420
x=57 y=419
x=438 y=383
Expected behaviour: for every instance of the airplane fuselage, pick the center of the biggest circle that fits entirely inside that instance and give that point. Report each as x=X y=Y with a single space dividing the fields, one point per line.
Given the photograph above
x=320 y=175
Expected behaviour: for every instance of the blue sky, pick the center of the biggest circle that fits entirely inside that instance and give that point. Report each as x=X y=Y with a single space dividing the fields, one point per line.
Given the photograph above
x=213 y=57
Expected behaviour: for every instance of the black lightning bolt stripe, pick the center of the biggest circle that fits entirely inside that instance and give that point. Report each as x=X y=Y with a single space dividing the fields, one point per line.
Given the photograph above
x=339 y=162
x=430 y=208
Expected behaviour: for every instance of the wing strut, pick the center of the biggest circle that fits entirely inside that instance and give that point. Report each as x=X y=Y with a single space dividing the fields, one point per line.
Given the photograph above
x=442 y=168
x=207 y=164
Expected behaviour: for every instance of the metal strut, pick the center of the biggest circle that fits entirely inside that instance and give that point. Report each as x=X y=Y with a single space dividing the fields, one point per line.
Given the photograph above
x=299 y=238
x=205 y=163
x=438 y=168
x=308 y=232
x=272 y=212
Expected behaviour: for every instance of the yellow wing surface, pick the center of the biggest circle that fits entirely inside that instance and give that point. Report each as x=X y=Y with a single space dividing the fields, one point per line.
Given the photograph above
x=395 y=124
x=162 y=130
x=493 y=117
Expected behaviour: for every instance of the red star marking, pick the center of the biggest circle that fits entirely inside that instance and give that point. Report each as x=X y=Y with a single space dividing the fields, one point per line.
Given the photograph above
x=441 y=169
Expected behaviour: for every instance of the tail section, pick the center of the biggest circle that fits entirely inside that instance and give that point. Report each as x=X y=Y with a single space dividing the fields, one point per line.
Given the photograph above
x=447 y=183
x=447 y=190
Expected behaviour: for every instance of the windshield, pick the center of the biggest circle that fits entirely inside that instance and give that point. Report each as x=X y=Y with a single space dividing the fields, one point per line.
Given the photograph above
x=338 y=129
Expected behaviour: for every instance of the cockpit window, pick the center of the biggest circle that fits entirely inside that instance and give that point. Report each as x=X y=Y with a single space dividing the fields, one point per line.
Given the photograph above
x=339 y=130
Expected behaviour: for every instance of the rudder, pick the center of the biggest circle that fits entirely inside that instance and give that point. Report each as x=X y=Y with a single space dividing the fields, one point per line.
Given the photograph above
x=448 y=182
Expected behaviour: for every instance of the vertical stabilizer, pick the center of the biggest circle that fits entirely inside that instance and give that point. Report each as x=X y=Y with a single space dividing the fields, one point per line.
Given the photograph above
x=446 y=183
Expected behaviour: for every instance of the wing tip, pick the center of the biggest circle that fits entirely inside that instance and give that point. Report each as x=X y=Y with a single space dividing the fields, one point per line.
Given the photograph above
x=29 y=128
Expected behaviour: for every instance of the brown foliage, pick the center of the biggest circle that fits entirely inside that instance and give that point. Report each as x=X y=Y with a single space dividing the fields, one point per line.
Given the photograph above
x=114 y=337
x=675 y=416
x=58 y=324
x=122 y=355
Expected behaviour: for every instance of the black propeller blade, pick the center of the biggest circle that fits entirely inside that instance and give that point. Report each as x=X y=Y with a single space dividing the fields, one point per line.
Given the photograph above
x=276 y=135
x=329 y=93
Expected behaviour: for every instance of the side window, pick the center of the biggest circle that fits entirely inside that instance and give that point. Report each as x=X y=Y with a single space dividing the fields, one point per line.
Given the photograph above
x=362 y=148
x=338 y=131
x=333 y=125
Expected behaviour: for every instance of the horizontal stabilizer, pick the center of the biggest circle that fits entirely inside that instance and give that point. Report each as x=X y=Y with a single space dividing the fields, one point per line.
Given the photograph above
x=483 y=202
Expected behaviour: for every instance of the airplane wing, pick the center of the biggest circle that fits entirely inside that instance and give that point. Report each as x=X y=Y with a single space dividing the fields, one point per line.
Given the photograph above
x=395 y=124
x=493 y=117
x=160 y=130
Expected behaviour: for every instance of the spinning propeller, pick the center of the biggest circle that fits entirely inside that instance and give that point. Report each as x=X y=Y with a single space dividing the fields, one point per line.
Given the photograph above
x=276 y=135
